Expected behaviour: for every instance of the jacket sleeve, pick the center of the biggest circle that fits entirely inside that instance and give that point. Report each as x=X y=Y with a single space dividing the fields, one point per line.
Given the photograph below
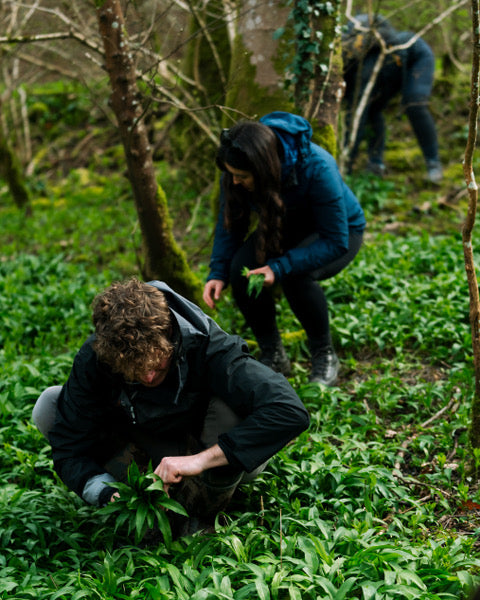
x=272 y=412
x=76 y=431
x=332 y=208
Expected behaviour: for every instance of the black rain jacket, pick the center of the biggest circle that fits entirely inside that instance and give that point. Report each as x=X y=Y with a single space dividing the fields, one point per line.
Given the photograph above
x=96 y=405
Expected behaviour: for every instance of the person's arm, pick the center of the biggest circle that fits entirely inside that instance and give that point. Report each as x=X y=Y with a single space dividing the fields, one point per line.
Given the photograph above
x=76 y=431
x=332 y=208
x=172 y=469
x=272 y=413
x=225 y=244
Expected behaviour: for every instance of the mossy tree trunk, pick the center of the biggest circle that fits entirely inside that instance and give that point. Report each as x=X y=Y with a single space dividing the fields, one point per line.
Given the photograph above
x=207 y=56
x=247 y=58
x=262 y=62
x=163 y=259
x=205 y=64
x=12 y=173
x=319 y=85
x=259 y=60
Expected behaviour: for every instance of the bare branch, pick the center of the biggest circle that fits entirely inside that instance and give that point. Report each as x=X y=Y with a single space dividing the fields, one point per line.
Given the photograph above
x=210 y=41
x=470 y=222
x=47 y=37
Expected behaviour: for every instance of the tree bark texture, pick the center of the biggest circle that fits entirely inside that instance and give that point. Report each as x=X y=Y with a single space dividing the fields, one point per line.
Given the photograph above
x=163 y=259
x=259 y=62
x=321 y=103
x=469 y=224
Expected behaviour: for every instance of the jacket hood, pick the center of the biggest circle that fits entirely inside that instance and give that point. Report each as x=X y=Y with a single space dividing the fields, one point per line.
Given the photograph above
x=294 y=133
x=193 y=325
x=191 y=319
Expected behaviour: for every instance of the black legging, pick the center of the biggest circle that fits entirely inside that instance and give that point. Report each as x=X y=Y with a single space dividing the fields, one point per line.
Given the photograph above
x=305 y=297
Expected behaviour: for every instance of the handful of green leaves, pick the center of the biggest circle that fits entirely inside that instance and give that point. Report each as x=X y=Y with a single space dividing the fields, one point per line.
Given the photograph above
x=142 y=504
x=255 y=282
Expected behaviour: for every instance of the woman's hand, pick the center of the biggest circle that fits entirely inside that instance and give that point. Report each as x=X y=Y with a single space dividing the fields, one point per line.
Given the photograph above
x=212 y=291
x=267 y=272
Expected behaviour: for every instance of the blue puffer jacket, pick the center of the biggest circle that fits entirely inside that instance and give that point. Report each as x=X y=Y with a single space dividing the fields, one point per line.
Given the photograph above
x=317 y=201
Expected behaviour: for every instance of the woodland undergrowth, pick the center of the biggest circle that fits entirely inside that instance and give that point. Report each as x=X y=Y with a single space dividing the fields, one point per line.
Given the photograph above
x=375 y=501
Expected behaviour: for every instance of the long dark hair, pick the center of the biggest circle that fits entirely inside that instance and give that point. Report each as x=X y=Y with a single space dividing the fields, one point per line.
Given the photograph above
x=253 y=147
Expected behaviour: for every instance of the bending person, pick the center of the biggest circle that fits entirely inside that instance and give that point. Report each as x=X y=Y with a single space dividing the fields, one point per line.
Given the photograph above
x=160 y=382
x=286 y=213
x=408 y=72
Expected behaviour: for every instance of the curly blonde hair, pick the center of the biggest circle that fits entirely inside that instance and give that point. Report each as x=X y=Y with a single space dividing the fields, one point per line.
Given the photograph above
x=133 y=328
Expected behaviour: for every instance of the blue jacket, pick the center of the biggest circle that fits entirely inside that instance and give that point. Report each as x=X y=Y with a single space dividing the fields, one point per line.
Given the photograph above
x=317 y=201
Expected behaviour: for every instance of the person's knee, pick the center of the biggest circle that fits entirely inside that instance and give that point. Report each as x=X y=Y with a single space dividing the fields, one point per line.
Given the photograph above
x=43 y=413
x=219 y=419
x=248 y=477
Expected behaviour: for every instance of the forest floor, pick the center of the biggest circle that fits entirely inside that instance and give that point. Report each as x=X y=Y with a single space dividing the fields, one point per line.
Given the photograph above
x=377 y=499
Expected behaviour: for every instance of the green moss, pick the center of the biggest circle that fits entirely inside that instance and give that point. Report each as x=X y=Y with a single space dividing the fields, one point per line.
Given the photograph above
x=246 y=93
x=209 y=67
x=325 y=137
x=172 y=266
x=248 y=96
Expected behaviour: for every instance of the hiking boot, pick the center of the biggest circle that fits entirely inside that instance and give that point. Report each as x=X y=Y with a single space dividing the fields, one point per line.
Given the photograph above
x=203 y=497
x=434 y=171
x=276 y=358
x=376 y=168
x=325 y=366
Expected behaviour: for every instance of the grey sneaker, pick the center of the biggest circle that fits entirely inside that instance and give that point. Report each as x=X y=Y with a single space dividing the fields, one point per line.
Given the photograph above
x=276 y=358
x=434 y=171
x=325 y=366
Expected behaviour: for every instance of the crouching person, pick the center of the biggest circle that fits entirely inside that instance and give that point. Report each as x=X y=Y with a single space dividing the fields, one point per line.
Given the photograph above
x=160 y=382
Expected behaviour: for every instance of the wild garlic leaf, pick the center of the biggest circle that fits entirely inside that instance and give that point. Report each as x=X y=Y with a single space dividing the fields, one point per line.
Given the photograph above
x=255 y=282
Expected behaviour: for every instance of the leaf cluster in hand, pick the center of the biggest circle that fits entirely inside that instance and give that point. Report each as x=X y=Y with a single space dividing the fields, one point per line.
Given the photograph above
x=255 y=282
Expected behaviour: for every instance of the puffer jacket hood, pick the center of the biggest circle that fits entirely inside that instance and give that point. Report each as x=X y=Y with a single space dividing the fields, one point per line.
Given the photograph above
x=294 y=133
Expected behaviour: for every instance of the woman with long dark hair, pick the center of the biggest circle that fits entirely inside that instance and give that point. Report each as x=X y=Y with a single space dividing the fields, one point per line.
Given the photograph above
x=285 y=213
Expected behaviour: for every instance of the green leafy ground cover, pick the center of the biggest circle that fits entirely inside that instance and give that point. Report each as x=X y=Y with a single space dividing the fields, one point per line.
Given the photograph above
x=375 y=501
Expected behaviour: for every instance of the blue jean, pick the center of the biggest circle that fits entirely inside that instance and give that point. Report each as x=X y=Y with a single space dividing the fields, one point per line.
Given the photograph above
x=409 y=72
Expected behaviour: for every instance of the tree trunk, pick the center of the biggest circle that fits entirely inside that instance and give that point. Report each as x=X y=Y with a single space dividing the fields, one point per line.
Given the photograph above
x=262 y=62
x=11 y=172
x=320 y=86
x=259 y=61
x=163 y=258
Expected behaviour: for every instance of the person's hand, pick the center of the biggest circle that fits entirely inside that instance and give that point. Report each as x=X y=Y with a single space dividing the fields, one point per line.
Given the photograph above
x=172 y=469
x=115 y=495
x=212 y=291
x=267 y=272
